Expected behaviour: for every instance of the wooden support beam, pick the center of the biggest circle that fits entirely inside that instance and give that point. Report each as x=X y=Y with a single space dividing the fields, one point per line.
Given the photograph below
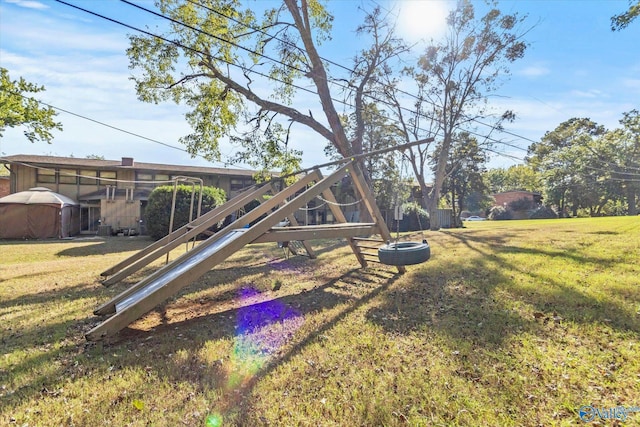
x=292 y=220
x=339 y=216
x=370 y=204
x=246 y=219
x=181 y=235
x=311 y=232
x=368 y=239
x=187 y=268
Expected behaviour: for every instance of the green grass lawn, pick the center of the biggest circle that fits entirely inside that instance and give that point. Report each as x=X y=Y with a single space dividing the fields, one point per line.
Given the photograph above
x=511 y=323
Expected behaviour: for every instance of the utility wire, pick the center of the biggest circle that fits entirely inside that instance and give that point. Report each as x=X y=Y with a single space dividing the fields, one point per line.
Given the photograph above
x=350 y=70
x=246 y=70
x=137 y=135
x=333 y=81
x=191 y=49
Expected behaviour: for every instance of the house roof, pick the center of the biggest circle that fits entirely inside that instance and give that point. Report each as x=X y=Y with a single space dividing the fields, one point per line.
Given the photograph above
x=118 y=164
x=38 y=196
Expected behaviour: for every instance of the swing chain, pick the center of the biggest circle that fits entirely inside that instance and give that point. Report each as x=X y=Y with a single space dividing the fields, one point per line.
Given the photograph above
x=403 y=168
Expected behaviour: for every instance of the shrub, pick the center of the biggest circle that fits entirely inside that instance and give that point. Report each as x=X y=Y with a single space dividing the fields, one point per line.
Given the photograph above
x=500 y=212
x=523 y=204
x=418 y=217
x=158 y=211
x=543 y=212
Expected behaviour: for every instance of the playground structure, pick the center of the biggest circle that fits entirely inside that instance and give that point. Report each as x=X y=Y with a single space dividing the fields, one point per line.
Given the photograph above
x=259 y=225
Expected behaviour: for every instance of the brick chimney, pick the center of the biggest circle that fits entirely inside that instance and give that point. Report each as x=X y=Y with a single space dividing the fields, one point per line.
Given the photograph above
x=127 y=161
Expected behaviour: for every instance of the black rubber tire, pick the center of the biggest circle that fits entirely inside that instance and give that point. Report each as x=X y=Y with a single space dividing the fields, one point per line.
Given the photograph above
x=404 y=253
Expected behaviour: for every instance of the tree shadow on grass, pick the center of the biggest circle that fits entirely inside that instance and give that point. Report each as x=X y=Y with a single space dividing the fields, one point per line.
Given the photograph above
x=104 y=245
x=459 y=299
x=51 y=349
x=252 y=304
x=440 y=300
x=265 y=334
x=60 y=353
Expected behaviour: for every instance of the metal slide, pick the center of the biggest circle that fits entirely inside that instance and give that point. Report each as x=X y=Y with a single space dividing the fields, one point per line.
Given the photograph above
x=174 y=273
x=142 y=297
x=181 y=235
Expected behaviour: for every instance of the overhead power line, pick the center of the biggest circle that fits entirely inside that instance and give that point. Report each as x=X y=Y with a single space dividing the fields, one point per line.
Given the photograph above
x=351 y=70
x=245 y=69
x=101 y=123
x=332 y=81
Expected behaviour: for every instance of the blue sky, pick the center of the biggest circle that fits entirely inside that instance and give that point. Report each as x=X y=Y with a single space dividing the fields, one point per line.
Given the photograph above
x=576 y=67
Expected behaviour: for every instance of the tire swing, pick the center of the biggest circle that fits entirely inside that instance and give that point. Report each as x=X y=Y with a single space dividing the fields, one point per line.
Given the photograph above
x=404 y=253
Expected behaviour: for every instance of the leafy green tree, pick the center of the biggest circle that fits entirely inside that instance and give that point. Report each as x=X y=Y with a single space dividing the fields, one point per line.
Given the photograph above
x=273 y=145
x=629 y=158
x=454 y=78
x=18 y=109
x=619 y=151
x=516 y=177
x=574 y=173
x=234 y=70
x=621 y=21
x=464 y=173
x=383 y=170
x=158 y=211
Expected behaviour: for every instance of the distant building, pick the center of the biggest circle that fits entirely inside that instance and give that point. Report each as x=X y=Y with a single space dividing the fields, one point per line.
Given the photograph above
x=507 y=197
x=111 y=193
x=521 y=203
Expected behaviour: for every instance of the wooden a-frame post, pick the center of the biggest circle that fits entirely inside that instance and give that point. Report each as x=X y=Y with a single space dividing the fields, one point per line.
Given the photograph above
x=370 y=204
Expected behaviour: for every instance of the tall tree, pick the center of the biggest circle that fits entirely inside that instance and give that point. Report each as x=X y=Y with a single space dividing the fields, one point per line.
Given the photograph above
x=17 y=108
x=630 y=161
x=619 y=151
x=621 y=21
x=377 y=132
x=574 y=174
x=384 y=170
x=516 y=177
x=454 y=78
x=464 y=173
x=233 y=68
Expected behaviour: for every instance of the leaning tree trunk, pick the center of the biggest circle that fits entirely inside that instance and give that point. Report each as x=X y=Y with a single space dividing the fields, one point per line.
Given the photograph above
x=438 y=180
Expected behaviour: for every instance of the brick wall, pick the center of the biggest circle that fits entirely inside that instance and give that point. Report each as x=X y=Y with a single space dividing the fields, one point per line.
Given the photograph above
x=5 y=186
x=511 y=196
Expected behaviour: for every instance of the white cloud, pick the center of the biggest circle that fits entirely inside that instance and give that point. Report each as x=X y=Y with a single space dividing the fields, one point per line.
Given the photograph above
x=29 y=4
x=534 y=71
x=591 y=93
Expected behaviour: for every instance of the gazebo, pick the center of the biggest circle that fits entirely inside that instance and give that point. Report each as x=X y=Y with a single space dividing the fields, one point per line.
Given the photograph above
x=38 y=213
